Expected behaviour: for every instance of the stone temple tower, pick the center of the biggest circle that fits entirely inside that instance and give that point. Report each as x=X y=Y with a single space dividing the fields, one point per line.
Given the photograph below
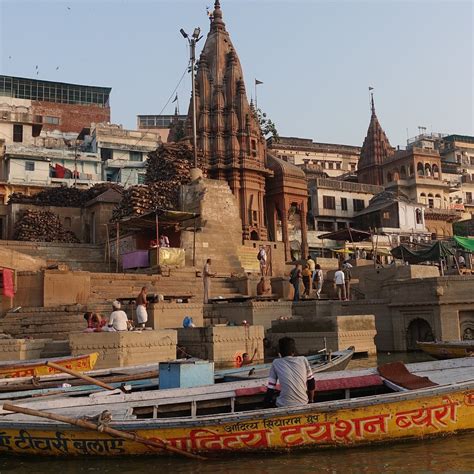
x=230 y=142
x=375 y=151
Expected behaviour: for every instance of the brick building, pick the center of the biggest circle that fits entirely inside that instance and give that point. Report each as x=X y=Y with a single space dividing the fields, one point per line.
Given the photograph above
x=62 y=106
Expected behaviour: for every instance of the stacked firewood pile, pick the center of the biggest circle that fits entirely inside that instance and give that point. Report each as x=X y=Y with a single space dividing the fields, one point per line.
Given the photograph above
x=64 y=196
x=42 y=226
x=167 y=168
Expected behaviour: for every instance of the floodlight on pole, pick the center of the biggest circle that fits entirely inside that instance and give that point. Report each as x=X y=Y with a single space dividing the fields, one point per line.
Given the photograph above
x=192 y=57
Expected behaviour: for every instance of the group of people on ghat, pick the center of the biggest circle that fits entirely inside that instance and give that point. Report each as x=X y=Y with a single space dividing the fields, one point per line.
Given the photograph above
x=312 y=277
x=118 y=319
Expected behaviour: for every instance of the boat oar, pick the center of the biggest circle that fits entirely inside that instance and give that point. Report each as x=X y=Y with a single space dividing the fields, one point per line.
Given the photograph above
x=88 y=425
x=79 y=375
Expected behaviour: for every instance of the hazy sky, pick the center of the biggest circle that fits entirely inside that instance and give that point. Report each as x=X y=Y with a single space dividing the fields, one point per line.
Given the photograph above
x=316 y=58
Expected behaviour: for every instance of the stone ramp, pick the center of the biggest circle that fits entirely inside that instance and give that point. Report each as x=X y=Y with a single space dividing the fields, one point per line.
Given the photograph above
x=84 y=257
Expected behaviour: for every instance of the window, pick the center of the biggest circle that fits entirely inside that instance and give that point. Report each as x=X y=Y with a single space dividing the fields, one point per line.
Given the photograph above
x=341 y=225
x=136 y=156
x=419 y=216
x=358 y=204
x=386 y=215
x=51 y=120
x=141 y=178
x=468 y=198
x=325 y=226
x=29 y=165
x=329 y=202
x=17 y=133
x=338 y=166
x=105 y=154
x=343 y=204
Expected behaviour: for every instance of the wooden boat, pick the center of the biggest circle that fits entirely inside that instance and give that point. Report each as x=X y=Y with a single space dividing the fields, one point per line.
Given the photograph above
x=38 y=367
x=445 y=407
x=447 y=349
x=323 y=362
x=147 y=374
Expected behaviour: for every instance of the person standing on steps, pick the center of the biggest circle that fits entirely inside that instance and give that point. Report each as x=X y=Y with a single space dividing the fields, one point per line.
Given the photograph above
x=295 y=279
x=262 y=259
x=141 y=302
x=206 y=279
x=318 y=280
x=339 y=285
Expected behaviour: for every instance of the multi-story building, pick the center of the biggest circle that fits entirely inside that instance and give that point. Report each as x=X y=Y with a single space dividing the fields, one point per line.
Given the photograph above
x=163 y=125
x=334 y=205
x=62 y=106
x=331 y=159
x=457 y=166
x=122 y=152
x=415 y=173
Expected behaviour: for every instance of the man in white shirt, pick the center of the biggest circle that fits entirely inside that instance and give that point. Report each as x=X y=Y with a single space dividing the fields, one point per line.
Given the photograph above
x=118 y=320
x=339 y=282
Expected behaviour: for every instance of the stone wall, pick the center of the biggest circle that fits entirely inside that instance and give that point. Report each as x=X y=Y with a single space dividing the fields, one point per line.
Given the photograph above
x=170 y=315
x=222 y=344
x=21 y=349
x=260 y=313
x=336 y=333
x=125 y=348
x=219 y=224
x=65 y=287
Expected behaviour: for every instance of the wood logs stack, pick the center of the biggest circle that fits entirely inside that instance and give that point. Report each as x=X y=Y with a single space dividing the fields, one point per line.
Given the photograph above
x=167 y=168
x=42 y=226
x=64 y=196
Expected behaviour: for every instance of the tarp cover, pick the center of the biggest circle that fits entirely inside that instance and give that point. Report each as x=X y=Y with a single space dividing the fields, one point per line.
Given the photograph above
x=434 y=253
x=465 y=242
x=8 y=282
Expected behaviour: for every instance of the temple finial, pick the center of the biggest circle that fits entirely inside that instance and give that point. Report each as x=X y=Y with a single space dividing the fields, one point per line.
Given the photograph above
x=372 y=106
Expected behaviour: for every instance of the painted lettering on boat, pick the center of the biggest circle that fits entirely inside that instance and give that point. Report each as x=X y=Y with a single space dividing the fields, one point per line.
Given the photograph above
x=60 y=443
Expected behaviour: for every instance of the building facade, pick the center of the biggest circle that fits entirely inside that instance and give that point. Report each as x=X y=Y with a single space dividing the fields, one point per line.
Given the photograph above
x=122 y=153
x=330 y=159
x=62 y=106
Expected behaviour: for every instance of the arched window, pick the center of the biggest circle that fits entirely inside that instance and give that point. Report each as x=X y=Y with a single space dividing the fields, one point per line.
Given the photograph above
x=403 y=172
x=430 y=200
x=423 y=198
x=419 y=216
x=420 y=171
x=436 y=172
x=428 y=169
x=438 y=201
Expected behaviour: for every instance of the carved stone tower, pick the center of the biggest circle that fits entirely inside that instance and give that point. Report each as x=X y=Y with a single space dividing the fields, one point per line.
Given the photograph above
x=375 y=150
x=230 y=142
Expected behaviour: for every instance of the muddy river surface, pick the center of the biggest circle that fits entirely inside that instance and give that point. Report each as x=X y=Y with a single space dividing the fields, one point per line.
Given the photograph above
x=450 y=454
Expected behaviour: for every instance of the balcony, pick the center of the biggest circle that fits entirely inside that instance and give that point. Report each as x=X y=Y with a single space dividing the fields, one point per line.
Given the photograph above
x=20 y=117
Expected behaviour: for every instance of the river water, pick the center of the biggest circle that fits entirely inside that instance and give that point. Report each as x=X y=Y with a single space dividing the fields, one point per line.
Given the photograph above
x=450 y=454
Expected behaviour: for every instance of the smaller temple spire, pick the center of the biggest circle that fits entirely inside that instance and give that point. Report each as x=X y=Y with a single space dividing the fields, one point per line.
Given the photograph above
x=372 y=103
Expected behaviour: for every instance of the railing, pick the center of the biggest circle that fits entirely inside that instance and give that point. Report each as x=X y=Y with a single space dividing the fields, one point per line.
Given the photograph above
x=347 y=186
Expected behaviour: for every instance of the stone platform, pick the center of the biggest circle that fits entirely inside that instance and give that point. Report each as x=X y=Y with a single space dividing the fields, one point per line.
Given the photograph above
x=124 y=348
x=170 y=315
x=21 y=349
x=222 y=344
x=339 y=333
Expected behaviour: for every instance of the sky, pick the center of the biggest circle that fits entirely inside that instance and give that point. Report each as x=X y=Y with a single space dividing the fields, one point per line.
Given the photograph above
x=316 y=59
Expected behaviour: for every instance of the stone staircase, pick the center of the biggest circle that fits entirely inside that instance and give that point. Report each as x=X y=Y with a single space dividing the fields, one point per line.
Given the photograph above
x=84 y=257
x=106 y=287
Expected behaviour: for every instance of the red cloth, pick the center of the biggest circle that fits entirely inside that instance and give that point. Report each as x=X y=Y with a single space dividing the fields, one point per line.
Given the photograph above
x=8 y=283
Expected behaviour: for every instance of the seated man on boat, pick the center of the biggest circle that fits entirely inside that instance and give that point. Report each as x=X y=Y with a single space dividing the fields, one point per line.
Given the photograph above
x=118 y=320
x=294 y=375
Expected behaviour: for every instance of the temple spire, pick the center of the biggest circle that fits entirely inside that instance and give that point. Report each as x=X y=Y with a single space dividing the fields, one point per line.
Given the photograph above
x=217 y=22
x=372 y=103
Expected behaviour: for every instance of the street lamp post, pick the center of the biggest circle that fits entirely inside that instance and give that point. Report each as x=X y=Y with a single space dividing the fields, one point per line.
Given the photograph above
x=192 y=40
